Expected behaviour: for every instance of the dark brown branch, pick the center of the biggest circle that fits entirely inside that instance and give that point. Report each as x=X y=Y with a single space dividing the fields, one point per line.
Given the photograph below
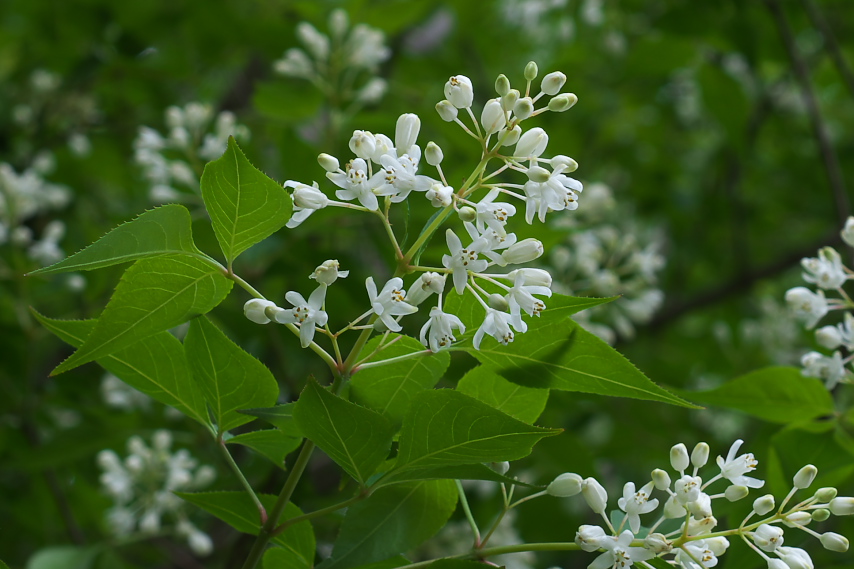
x=820 y=22
x=831 y=162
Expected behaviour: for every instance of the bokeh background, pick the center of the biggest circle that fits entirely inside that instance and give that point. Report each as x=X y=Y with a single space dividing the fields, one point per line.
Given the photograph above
x=713 y=137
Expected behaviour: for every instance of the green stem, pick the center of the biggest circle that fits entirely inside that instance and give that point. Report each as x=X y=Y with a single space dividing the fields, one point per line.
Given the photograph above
x=268 y=529
x=501 y=550
x=465 y=504
x=393 y=360
x=262 y=512
x=323 y=511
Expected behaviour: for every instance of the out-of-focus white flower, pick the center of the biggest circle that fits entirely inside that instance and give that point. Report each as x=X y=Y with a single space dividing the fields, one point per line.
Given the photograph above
x=825 y=271
x=829 y=369
x=807 y=305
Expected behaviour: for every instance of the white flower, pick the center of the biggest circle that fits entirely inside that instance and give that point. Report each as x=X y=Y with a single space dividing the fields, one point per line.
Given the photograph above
x=594 y=494
x=524 y=251
x=636 y=503
x=768 y=537
x=493 y=214
x=307 y=200
x=795 y=557
x=317 y=43
x=462 y=260
x=807 y=305
x=389 y=302
x=497 y=325
x=556 y=193
x=458 y=91
x=701 y=507
x=687 y=488
x=826 y=271
x=734 y=468
x=519 y=297
x=362 y=144
x=355 y=184
x=365 y=47
x=618 y=552
x=589 y=538
x=406 y=132
x=532 y=143
x=848 y=231
x=427 y=284
x=846 y=331
x=398 y=178
x=307 y=314
x=565 y=485
x=440 y=327
x=255 y=310
x=439 y=195
x=493 y=117
x=830 y=369
x=328 y=272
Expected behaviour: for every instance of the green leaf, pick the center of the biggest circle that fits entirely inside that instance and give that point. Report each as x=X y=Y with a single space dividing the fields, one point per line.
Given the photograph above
x=389 y=389
x=774 y=394
x=160 y=231
x=245 y=205
x=456 y=564
x=477 y=471
x=518 y=401
x=154 y=294
x=392 y=563
x=237 y=510
x=155 y=366
x=64 y=557
x=272 y=443
x=446 y=428
x=557 y=353
x=355 y=437
x=391 y=521
x=230 y=378
x=281 y=416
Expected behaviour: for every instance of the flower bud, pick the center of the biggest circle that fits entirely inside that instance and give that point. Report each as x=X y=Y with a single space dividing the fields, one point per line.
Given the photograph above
x=595 y=495
x=735 y=493
x=339 y=21
x=717 y=545
x=828 y=337
x=433 y=154
x=372 y=91
x=848 y=231
x=842 y=506
x=382 y=145
x=657 y=543
x=467 y=214
x=538 y=174
x=763 y=504
x=834 y=542
x=493 y=118
x=826 y=494
x=446 y=110
x=327 y=273
x=805 y=476
x=440 y=195
x=406 y=132
x=661 y=479
x=317 y=43
x=532 y=143
x=459 y=92
x=701 y=526
x=531 y=71
x=498 y=302
x=502 y=85
x=797 y=519
x=363 y=144
x=568 y=164
x=777 y=564
x=328 y=162
x=254 y=310
x=820 y=514
x=523 y=108
x=533 y=277
x=552 y=83
x=524 y=251
x=589 y=538
x=565 y=485
x=499 y=467
x=673 y=509
x=700 y=455
x=427 y=284
x=795 y=557
x=309 y=197
x=562 y=102
x=510 y=138
x=679 y=457
x=508 y=99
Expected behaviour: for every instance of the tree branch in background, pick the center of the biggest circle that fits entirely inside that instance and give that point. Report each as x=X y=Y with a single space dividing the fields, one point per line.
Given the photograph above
x=820 y=22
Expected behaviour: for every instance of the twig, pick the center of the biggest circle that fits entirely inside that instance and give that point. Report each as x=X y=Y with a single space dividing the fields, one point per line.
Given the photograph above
x=820 y=22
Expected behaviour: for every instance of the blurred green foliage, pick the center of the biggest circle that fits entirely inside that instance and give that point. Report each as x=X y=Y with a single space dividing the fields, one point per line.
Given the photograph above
x=689 y=109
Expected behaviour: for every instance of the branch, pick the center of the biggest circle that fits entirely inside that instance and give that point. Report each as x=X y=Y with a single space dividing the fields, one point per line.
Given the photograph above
x=820 y=22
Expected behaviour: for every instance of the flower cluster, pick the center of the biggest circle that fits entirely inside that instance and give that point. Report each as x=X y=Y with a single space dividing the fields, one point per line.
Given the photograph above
x=828 y=274
x=143 y=487
x=606 y=254
x=173 y=164
x=335 y=62
x=696 y=544
x=385 y=172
